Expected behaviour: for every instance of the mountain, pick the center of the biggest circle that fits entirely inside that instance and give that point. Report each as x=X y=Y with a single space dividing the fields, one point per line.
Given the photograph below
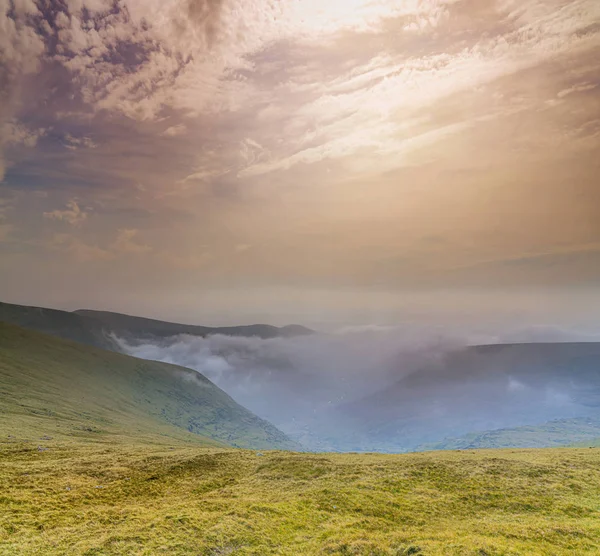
x=143 y=328
x=479 y=388
x=436 y=402
x=97 y=328
x=560 y=432
x=58 y=388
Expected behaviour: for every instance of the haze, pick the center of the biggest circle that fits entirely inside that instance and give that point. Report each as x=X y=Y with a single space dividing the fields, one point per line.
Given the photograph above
x=394 y=388
x=327 y=163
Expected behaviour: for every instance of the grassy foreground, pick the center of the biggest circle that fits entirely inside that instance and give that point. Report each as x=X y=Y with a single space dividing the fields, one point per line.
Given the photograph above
x=92 y=498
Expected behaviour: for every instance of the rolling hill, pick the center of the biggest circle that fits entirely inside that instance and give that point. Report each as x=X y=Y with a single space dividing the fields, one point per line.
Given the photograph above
x=97 y=328
x=51 y=387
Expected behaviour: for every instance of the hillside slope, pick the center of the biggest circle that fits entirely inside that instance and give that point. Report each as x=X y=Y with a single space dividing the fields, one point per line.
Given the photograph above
x=50 y=387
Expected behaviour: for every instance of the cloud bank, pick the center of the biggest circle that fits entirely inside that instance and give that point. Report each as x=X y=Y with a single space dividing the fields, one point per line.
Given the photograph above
x=337 y=391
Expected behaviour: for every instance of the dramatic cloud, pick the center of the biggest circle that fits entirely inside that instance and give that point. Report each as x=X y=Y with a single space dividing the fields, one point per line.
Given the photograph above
x=73 y=214
x=75 y=143
x=126 y=242
x=372 y=146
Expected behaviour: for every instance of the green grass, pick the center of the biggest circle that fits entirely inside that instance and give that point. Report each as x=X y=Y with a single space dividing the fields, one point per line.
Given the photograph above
x=62 y=389
x=82 y=498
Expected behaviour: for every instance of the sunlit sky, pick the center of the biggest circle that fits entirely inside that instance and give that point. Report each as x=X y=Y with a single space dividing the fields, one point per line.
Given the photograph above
x=221 y=161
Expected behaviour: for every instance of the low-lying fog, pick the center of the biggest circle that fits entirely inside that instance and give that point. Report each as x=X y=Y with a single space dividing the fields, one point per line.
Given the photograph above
x=391 y=389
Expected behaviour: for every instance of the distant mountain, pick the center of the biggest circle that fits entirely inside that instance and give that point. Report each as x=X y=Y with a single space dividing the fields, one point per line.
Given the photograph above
x=58 y=388
x=479 y=388
x=560 y=432
x=141 y=327
x=97 y=328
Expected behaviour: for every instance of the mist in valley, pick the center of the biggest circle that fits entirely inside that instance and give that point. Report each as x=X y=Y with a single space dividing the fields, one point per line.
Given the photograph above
x=392 y=389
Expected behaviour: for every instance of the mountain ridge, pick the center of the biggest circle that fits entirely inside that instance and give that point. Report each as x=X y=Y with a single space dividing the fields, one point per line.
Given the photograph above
x=161 y=328
x=98 y=328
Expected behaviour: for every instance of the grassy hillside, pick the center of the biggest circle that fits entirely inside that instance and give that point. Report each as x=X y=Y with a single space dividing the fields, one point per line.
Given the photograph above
x=561 y=432
x=82 y=499
x=55 y=388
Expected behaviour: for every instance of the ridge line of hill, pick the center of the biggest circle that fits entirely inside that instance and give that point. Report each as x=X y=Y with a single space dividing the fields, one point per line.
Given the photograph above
x=96 y=328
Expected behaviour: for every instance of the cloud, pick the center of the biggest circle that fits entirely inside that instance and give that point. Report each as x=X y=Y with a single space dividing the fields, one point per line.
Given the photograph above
x=174 y=130
x=78 y=249
x=6 y=204
x=74 y=143
x=123 y=246
x=581 y=88
x=330 y=136
x=204 y=175
x=21 y=49
x=6 y=228
x=16 y=137
x=5 y=231
x=126 y=243
x=73 y=214
x=301 y=383
x=356 y=110
x=185 y=261
x=15 y=134
x=379 y=140
x=275 y=376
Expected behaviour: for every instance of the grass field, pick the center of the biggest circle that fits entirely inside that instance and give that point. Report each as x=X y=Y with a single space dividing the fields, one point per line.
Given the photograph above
x=95 y=498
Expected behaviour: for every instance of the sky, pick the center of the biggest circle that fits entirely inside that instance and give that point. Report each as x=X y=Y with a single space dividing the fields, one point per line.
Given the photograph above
x=339 y=162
